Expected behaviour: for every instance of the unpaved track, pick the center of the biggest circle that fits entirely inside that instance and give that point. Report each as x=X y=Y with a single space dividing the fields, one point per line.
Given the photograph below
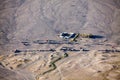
x=30 y=20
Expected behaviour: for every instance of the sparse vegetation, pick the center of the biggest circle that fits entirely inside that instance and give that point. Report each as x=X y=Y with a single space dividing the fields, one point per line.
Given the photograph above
x=29 y=29
x=53 y=65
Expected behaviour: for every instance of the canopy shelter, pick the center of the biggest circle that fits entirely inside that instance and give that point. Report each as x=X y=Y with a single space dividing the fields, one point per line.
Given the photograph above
x=68 y=36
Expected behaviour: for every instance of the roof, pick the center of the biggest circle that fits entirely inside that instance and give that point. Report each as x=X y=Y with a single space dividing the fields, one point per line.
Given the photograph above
x=66 y=35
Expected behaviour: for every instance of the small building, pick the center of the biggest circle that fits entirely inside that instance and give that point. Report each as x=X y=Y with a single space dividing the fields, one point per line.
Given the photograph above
x=68 y=36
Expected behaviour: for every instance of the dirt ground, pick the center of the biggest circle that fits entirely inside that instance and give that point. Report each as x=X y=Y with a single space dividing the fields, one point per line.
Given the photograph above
x=22 y=22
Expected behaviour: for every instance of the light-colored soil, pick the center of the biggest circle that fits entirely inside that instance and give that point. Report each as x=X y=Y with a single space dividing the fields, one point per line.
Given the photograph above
x=30 y=20
x=95 y=64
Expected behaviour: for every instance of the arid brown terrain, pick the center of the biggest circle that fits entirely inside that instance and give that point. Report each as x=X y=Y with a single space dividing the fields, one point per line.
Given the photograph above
x=26 y=24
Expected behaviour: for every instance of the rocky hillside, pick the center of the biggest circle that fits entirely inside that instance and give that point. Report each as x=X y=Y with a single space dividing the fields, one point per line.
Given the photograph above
x=24 y=22
x=44 y=19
